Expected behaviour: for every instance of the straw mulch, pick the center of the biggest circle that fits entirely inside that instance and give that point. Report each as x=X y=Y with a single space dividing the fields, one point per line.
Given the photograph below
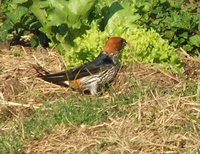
x=148 y=130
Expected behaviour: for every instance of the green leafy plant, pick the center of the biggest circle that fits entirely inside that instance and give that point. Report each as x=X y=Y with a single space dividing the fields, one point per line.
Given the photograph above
x=68 y=25
x=145 y=45
x=18 y=21
x=177 y=21
x=62 y=21
x=13 y=15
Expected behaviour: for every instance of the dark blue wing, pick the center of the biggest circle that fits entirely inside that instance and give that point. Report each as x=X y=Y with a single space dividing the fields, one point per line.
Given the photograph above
x=102 y=62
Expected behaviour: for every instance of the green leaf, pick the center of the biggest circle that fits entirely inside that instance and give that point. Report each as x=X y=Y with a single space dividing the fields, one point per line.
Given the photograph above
x=121 y=20
x=180 y=19
x=34 y=42
x=7 y=25
x=108 y=12
x=70 y=17
x=54 y=13
x=184 y=35
x=17 y=14
x=187 y=47
x=176 y=3
x=19 y=1
x=195 y=40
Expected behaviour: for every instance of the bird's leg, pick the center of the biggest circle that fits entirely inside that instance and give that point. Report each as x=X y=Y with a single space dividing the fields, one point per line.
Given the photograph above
x=93 y=88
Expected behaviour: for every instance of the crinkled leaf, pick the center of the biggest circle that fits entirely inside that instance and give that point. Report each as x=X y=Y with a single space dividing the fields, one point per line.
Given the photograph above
x=180 y=20
x=195 y=40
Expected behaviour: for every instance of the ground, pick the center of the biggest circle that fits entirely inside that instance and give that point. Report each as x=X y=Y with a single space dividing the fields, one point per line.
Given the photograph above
x=146 y=109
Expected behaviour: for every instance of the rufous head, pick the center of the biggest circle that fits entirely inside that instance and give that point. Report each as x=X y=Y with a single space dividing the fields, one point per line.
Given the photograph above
x=114 y=45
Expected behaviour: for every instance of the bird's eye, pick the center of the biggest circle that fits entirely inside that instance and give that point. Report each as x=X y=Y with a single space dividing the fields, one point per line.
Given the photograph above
x=123 y=41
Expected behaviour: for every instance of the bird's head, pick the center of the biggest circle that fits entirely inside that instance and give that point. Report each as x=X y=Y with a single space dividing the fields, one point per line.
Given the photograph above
x=114 y=45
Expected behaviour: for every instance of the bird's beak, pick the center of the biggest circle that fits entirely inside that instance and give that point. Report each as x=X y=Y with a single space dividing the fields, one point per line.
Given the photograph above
x=126 y=43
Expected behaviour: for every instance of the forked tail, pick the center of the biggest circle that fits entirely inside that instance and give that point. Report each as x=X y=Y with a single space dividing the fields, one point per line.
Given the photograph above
x=56 y=78
x=59 y=78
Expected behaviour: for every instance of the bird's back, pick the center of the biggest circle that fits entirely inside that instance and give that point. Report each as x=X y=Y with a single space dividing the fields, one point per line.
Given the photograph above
x=101 y=69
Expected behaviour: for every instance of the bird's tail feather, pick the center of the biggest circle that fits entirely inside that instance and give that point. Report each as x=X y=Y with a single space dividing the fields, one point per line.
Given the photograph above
x=56 y=78
x=59 y=78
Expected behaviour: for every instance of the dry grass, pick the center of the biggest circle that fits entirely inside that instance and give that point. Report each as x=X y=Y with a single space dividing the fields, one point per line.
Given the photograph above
x=158 y=126
x=154 y=123
x=19 y=85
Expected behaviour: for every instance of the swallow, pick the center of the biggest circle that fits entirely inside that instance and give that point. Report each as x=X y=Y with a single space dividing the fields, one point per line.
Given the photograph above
x=92 y=76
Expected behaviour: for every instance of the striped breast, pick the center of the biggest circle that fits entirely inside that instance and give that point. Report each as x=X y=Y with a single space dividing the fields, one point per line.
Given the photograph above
x=100 y=78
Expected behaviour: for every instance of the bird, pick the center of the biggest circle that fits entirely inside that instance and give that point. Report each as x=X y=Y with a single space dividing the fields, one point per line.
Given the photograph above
x=92 y=76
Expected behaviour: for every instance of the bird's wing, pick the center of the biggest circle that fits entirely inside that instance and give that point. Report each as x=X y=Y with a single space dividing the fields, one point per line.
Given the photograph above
x=101 y=62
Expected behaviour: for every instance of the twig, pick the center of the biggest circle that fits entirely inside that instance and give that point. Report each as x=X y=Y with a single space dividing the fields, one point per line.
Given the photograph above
x=24 y=50
x=164 y=97
x=186 y=54
x=196 y=109
x=1 y=96
x=6 y=103
x=168 y=75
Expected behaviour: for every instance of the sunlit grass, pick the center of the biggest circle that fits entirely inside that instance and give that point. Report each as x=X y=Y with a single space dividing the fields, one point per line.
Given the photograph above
x=80 y=110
